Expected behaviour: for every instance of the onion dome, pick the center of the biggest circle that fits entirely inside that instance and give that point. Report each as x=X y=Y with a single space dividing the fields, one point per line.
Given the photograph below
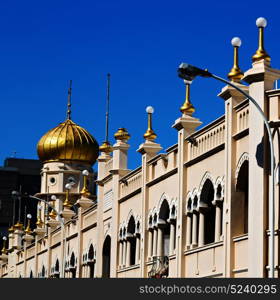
x=68 y=142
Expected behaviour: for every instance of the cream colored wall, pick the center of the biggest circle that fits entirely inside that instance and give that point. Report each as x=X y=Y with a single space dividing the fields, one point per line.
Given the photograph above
x=133 y=205
x=165 y=187
x=89 y=237
x=215 y=165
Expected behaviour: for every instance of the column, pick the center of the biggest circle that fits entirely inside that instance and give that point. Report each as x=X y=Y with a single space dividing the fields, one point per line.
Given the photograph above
x=94 y=270
x=188 y=230
x=150 y=243
x=124 y=253
x=137 y=250
x=201 y=229
x=120 y=252
x=160 y=242
x=194 y=230
x=171 y=241
x=155 y=242
x=84 y=271
x=128 y=249
x=218 y=223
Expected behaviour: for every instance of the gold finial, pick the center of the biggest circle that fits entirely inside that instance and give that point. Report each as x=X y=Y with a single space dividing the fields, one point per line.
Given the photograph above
x=261 y=53
x=67 y=203
x=85 y=192
x=11 y=229
x=28 y=229
x=53 y=214
x=18 y=225
x=39 y=222
x=187 y=108
x=122 y=134
x=69 y=101
x=150 y=134
x=4 y=250
x=235 y=73
x=106 y=147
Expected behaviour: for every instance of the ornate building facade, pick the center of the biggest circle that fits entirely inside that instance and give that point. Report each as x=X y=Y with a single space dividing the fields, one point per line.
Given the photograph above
x=198 y=209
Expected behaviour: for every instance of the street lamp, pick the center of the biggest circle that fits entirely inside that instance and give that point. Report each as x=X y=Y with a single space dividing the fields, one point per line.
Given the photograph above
x=189 y=72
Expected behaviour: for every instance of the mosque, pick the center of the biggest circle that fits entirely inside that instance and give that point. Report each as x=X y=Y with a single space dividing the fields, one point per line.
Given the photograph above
x=201 y=208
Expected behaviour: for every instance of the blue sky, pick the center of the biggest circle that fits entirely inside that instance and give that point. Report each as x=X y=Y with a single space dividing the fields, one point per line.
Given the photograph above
x=141 y=43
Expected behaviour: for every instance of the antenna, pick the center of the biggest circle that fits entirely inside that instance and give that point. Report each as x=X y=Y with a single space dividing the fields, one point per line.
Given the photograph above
x=107 y=107
x=69 y=101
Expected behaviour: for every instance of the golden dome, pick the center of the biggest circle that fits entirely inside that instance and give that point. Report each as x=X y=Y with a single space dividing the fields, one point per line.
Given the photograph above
x=68 y=142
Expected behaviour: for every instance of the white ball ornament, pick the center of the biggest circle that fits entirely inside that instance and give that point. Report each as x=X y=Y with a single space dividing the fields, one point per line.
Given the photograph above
x=261 y=22
x=236 y=42
x=150 y=110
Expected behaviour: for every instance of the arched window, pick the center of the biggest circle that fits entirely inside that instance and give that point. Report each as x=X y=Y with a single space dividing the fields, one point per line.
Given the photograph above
x=91 y=261
x=31 y=274
x=73 y=265
x=209 y=211
x=164 y=225
x=43 y=273
x=195 y=222
x=56 y=269
x=106 y=253
x=240 y=199
x=131 y=238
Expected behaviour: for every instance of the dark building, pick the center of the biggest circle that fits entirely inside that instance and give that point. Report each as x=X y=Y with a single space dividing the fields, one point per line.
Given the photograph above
x=18 y=175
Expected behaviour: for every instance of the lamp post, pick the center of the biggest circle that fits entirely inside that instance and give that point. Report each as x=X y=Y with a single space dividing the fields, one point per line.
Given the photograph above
x=189 y=72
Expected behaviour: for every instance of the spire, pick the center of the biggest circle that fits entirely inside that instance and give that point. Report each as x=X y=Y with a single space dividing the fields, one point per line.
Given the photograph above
x=69 y=101
x=261 y=53
x=106 y=147
x=187 y=108
x=107 y=107
x=235 y=73
x=18 y=225
x=150 y=134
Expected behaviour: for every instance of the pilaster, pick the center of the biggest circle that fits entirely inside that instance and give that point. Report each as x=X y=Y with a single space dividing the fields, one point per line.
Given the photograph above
x=148 y=150
x=232 y=97
x=261 y=78
x=185 y=126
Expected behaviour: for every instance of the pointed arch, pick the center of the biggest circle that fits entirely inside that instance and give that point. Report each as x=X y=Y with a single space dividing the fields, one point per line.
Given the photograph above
x=163 y=198
x=243 y=157
x=106 y=257
x=206 y=176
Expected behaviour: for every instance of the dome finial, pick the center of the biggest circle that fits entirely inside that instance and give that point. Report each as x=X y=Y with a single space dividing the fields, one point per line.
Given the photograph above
x=150 y=134
x=261 y=53
x=69 y=101
x=235 y=73
x=187 y=108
